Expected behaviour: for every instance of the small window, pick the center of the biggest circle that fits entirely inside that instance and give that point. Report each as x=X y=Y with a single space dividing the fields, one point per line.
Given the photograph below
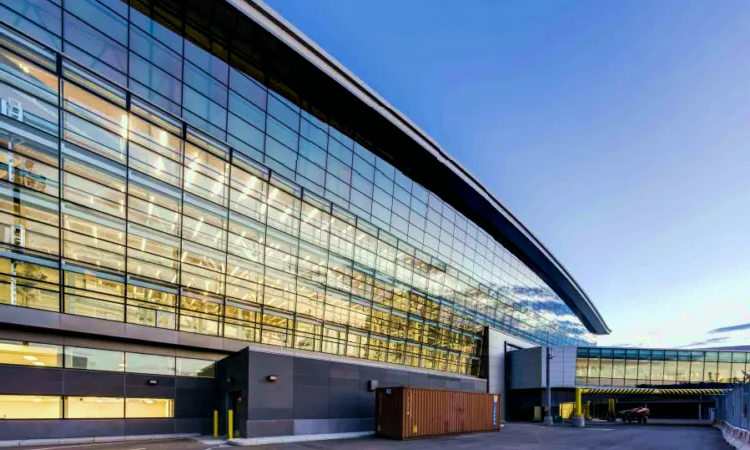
x=94 y=408
x=30 y=354
x=136 y=408
x=201 y=368
x=30 y=407
x=154 y=364
x=93 y=359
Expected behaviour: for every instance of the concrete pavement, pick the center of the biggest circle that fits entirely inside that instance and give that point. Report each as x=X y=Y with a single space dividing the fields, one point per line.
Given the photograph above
x=515 y=436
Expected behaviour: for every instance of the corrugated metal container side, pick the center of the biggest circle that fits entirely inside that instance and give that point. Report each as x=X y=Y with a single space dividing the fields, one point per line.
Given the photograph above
x=412 y=413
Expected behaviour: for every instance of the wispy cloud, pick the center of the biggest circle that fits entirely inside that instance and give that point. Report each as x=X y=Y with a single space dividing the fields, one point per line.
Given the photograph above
x=720 y=340
x=743 y=326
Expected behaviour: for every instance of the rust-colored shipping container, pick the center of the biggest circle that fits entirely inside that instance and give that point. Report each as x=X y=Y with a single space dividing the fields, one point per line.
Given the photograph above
x=412 y=413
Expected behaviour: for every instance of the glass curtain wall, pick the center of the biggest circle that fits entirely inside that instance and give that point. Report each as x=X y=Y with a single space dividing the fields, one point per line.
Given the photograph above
x=630 y=367
x=163 y=187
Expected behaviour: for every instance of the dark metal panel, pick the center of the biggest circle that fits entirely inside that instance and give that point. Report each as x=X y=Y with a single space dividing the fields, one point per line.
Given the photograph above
x=150 y=426
x=419 y=379
x=341 y=371
x=31 y=380
x=90 y=383
x=343 y=401
x=395 y=378
x=311 y=402
x=265 y=428
x=270 y=400
x=55 y=429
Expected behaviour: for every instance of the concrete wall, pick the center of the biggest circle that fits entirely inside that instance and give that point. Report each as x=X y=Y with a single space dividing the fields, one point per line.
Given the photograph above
x=318 y=394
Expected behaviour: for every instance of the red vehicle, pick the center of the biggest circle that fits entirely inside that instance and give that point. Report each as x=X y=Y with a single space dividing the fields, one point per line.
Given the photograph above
x=639 y=414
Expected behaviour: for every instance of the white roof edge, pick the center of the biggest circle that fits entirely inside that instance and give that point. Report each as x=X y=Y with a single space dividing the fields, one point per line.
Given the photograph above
x=302 y=44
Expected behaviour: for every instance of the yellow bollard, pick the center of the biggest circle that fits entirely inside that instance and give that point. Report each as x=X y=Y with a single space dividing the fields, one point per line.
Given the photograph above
x=230 y=423
x=216 y=423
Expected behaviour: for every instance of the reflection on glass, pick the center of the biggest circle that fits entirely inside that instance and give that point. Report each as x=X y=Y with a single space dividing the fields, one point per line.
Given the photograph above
x=164 y=226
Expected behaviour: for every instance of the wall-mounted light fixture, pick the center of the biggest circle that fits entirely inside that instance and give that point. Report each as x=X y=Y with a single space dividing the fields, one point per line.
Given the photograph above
x=372 y=385
x=152 y=382
x=272 y=378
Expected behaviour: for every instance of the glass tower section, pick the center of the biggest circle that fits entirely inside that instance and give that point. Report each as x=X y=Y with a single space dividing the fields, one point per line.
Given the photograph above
x=149 y=175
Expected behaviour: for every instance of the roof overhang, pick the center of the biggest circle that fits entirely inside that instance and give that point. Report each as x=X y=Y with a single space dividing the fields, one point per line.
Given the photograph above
x=322 y=82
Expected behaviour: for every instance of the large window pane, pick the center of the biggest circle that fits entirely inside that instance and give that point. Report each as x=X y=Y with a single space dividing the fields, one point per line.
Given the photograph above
x=149 y=408
x=30 y=354
x=153 y=364
x=201 y=368
x=30 y=407
x=94 y=359
x=94 y=408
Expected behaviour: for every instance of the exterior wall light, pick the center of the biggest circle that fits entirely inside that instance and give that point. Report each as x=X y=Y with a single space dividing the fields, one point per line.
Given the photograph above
x=272 y=378
x=152 y=382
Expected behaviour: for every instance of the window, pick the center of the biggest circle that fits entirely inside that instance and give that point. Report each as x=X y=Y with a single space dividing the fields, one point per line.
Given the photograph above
x=136 y=408
x=187 y=367
x=94 y=359
x=30 y=354
x=94 y=408
x=155 y=364
x=30 y=407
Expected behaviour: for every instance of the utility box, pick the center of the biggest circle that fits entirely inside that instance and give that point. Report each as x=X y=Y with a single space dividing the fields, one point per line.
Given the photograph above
x=413 y=413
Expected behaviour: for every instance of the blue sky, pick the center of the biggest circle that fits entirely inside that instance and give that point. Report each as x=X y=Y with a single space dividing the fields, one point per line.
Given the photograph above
x=618 y=132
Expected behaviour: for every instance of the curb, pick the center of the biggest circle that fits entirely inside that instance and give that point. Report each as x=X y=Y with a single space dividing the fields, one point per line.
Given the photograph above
x=94 y=440
x=738 y=438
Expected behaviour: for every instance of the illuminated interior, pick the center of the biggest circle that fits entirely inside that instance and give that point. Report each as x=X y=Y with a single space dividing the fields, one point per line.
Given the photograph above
x=30 y=354
x=30 y=407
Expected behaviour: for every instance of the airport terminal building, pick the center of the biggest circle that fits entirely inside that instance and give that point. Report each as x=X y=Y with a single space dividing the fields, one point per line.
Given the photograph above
x=201 y=210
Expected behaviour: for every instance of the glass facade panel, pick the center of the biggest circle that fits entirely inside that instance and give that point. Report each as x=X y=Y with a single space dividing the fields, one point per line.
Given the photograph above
x=30 y=407
x=618 y=367
x=236 y=234
x=94 y=408
x=30 y=354
x=94 y=359
x=153 y=364
x=152 y=408
x=188 y=367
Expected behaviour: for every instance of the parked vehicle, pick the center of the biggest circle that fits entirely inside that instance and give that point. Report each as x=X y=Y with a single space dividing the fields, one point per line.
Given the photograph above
x=638 y=414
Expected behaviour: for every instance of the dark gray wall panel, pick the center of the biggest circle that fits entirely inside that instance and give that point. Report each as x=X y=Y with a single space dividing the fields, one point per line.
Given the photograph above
x=137 y=386
x=311 y=372
x=394 y=378
x=265 y=428
x=310 y=401
x=344 y=402
x=340 y=371
x=55 y=429
x=270 y=400
x=28 y=380
x=419 y=379
x=101 y=384
x=150 y=426
x=202 y=426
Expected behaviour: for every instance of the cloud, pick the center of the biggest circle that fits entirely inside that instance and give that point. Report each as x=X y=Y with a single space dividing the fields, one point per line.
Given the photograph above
x=720 y=340
x=744 y=326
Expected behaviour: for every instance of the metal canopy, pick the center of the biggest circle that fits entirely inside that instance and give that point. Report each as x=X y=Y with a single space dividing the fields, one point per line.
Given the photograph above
x=654 y=391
